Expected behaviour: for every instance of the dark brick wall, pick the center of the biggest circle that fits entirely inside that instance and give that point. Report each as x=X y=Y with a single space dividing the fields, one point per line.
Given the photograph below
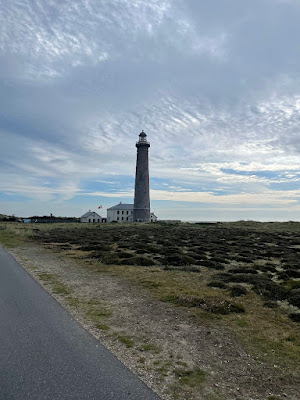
x=141 y=212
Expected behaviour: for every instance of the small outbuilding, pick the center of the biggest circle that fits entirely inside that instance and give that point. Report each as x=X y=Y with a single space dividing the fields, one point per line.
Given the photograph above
x=153 y=217
x=91 y=217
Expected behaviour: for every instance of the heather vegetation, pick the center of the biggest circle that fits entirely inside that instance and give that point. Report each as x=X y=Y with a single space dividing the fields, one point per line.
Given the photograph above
x=240 y=258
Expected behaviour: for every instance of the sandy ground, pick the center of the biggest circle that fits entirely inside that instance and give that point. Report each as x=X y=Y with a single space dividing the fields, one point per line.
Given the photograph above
x=164 y=338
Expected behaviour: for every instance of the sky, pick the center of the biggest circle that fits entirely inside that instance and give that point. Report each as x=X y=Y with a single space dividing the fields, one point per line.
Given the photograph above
x=214 y=84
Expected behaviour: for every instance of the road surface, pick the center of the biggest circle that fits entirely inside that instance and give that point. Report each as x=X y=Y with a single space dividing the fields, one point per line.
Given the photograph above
x=46 y=355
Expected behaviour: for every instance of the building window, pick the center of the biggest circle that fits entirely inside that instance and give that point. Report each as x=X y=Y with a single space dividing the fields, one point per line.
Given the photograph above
x=118 y=212
x=122 y=218
x=127 y=214
x=127 y=219
x=131 y=212
x=117 y=218
x=122 y=212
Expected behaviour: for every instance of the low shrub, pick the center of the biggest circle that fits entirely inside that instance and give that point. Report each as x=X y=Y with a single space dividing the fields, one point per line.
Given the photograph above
x=262 y=285
x=217 y=284
x=270 y=304
x=177 y=259
x=242 y=259
x=237 y=291
x=294 y=298
x=295 y=317
x=186 y=268
x=193 y=255
x=108 y=258
x=207 y=263
x=291 y=273
x=185 y=300
x=97 y=247
x=219 y=260
x=143 y=261
x=217 y=307
x=190 y=268
x=267 y=268
x=242 y=270
x=270 y=290
x=226 y=307
x=123 y=254
x=141 y=251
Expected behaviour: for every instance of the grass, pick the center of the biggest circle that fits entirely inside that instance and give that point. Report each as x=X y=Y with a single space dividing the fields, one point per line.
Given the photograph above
x=190 y=377
x=126 y=340
x=9 y=238
x=164 y=369
x=97 y=312
x=102 y=327
x=149 y=347
x=56 y=286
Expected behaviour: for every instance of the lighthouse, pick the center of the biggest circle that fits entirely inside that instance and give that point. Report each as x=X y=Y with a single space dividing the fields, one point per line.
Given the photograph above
x=141 y=208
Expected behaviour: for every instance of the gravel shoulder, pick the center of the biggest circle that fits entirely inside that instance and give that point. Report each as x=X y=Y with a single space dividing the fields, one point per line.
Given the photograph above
x=174 y=355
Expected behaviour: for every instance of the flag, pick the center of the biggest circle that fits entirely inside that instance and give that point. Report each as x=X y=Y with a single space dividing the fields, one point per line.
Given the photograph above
x=100 y=206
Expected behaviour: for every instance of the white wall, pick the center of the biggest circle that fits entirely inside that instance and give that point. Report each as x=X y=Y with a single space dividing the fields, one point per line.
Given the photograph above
x=153 y=218
x=117 y=215
x=93 y=217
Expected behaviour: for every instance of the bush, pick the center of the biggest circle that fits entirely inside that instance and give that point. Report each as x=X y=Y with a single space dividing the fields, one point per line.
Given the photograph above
x=270 y=304
x=291 y=273
x=295 y=317
x=242 y=259
x=141 y=251
x=186 y=300
x=178 y=259
x=267 y=268
x=207 y=263
x=189 y=268
x=219 y=260
x=97 y=254
x=261 y=285
x=236 y=291
x=123 y=254
x=242 y=270
x=217 y=284
x=108 y=258
x=294 y=298
x=270 y=290
x=225 y=307
x=143 y=261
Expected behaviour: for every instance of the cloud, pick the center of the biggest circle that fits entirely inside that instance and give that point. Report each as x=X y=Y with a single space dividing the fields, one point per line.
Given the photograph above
x=265 y=197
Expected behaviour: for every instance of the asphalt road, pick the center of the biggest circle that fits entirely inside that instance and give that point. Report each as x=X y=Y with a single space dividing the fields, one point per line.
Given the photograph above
x=46 y=354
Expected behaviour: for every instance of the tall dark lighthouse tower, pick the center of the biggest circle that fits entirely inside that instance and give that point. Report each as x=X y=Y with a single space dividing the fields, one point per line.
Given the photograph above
x=141 y=208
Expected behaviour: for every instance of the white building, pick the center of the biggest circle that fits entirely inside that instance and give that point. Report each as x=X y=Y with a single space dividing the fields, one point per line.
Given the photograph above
x=153 y=217
x=91 y=216
x=120 y=213
x=124 y=213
